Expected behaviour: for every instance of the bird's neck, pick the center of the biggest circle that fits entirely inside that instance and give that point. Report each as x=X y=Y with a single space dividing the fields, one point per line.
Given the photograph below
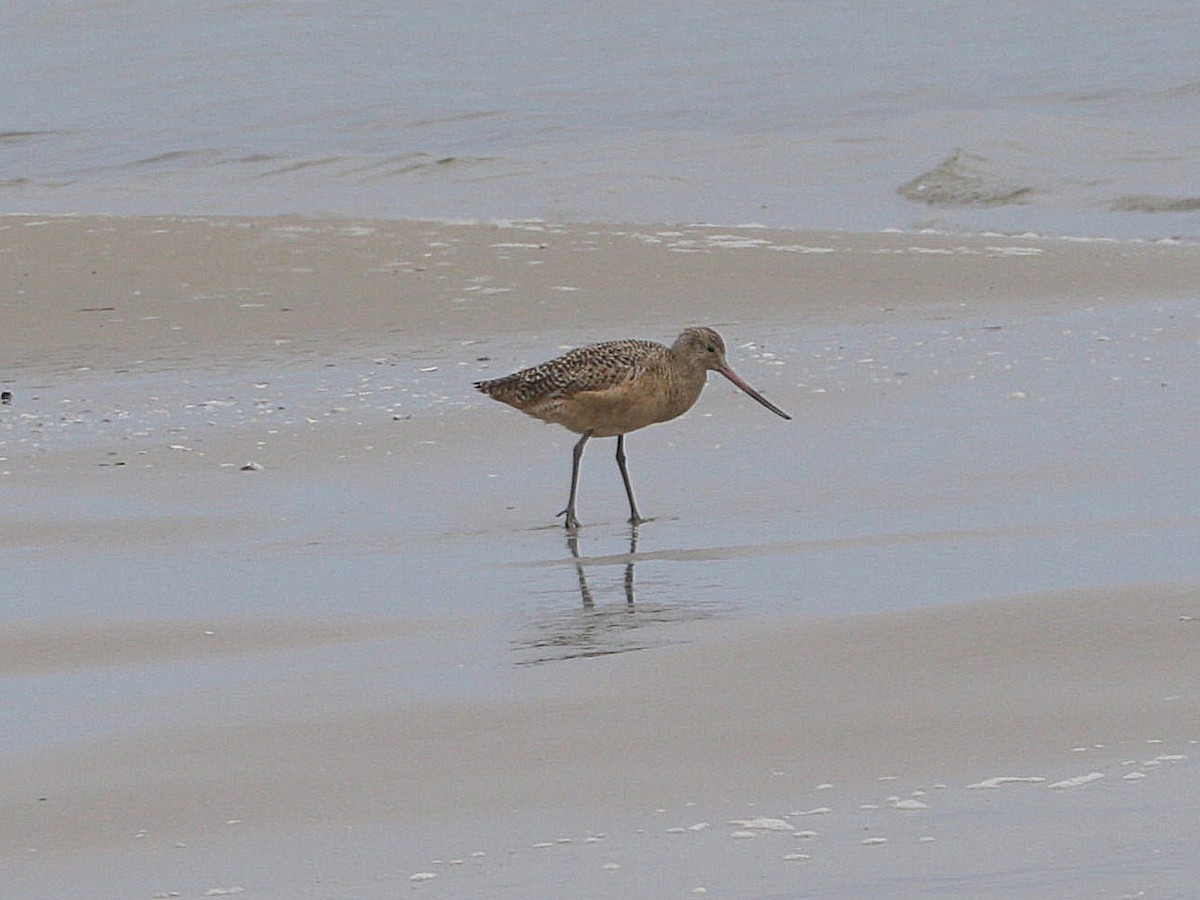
x=685 y=388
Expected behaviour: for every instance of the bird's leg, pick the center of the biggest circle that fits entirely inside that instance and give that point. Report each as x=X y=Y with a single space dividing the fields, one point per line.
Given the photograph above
x=576 y=457
x=634 y=516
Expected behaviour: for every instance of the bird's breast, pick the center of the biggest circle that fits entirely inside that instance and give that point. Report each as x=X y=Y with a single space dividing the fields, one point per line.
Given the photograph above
x=621 y=408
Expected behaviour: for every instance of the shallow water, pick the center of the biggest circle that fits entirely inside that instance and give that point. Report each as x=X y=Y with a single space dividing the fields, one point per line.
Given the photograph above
x=1067 y=118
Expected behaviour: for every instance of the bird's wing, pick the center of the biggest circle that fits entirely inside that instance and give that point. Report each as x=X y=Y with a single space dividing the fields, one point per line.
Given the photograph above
x=597 y=367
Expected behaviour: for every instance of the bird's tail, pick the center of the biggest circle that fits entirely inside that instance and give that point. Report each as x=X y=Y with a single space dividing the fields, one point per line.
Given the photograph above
x=502 y=389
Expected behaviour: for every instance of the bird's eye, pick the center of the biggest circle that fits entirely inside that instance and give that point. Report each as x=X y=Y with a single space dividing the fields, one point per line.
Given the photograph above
x=712 y=349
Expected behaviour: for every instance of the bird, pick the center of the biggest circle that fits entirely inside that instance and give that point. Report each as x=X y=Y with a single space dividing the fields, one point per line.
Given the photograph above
x=615 y=387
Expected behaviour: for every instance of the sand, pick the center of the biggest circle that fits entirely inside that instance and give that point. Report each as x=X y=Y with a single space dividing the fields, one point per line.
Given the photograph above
x=287 y=612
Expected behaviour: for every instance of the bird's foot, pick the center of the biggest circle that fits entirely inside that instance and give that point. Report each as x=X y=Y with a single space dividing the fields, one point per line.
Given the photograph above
x=569 y=514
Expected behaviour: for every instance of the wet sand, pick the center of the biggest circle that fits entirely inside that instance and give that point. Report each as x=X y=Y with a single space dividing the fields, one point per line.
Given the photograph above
x=934 y=636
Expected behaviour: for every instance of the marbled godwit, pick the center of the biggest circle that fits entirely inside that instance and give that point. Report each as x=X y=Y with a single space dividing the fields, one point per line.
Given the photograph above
x=613 y=388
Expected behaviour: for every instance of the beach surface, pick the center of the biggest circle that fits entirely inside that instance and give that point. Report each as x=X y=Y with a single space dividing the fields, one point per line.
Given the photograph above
x=287 y=612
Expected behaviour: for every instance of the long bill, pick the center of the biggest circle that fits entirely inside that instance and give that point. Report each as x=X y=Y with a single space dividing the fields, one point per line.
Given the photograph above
x=729 y=373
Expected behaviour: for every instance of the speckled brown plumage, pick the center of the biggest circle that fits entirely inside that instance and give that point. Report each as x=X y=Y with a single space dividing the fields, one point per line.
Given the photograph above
x=613 y=388
x=593 y=368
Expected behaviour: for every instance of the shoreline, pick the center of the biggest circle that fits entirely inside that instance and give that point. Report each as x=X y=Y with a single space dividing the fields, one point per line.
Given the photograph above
x=71 y=290
x=616 y=225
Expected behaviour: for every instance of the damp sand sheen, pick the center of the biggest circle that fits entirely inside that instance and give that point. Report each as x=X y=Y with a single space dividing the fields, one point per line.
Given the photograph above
x=942 y=631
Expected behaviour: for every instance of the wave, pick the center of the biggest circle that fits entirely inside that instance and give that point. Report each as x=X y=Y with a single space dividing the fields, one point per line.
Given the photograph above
x=962 y=179
x=14 y=136
x=1155 y=203
x=266 y=165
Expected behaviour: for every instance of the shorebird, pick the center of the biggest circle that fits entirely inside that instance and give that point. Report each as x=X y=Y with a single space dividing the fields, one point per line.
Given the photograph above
x=613 y=388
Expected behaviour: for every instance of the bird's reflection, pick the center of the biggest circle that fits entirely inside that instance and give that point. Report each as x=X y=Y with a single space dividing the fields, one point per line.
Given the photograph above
x=602 y=624
x=585 y=592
